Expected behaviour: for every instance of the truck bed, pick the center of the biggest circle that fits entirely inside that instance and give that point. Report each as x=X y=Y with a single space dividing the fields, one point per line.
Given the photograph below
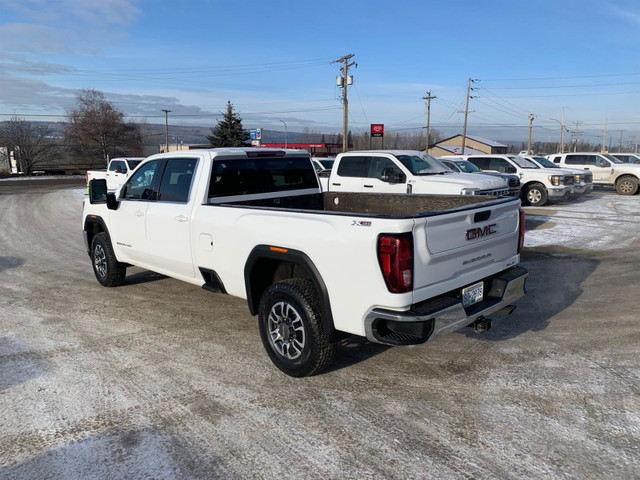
x=374 y=204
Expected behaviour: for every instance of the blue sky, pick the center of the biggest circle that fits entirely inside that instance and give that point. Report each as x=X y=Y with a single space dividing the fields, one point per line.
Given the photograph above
x=272 y=60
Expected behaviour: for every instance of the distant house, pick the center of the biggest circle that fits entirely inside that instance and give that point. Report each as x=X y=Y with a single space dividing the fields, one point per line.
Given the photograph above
x=473 y=145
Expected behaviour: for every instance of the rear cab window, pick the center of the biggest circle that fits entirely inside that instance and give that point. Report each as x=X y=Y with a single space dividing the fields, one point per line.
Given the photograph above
x=261 y=175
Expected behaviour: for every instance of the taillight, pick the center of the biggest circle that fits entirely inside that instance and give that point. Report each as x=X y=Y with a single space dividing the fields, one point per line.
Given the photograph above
x=521 y=240
x=395 y=254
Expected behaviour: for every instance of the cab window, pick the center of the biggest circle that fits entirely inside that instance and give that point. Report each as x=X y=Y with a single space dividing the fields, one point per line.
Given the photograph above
x=351 y=166
x=176 y=180
x=378 y=164
x=141 y=184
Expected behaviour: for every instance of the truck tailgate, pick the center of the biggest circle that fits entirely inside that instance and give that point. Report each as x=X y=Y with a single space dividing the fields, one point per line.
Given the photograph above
x=457 y=248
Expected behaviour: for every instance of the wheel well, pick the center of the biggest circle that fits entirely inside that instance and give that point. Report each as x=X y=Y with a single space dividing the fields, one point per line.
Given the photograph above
x=267 y=271
x=93 y=227
x=627 y=175
x=533 y=182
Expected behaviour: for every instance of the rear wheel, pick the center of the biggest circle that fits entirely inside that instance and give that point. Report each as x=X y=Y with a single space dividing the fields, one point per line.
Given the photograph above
x=108 y=270
x=291 y=328
x=535 y=195
x=627 y=185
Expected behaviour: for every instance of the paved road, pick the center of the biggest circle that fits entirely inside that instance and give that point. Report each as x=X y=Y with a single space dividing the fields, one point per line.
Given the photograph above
x=160 y=379
x=40 y=184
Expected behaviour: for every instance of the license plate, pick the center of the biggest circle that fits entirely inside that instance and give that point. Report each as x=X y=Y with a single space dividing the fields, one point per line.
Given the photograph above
x=472 y=294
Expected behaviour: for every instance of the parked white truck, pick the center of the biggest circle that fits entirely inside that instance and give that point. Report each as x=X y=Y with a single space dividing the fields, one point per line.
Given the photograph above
x=404 y=171
x=538 y=186
x=314 y=267
x=608 y=171
x=118 y=170
x=582 y=179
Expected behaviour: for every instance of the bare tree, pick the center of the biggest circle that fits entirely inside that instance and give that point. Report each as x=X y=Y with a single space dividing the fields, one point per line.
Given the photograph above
x=97 y=131
x=31 y=144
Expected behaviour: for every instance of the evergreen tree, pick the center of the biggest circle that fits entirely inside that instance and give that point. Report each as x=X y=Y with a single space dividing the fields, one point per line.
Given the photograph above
x=229 y=131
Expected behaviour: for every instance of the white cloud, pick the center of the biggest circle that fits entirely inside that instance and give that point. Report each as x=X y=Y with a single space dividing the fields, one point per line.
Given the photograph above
x=633 y=16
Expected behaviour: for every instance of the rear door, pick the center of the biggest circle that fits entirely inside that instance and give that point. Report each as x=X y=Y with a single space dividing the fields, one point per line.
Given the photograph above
x=349 y=175
x=168 y=220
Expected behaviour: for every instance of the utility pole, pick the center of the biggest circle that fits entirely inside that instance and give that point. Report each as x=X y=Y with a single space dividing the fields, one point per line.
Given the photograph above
x=562 y=133
x=575 y=145
x=531 y=117
x=428 y=98
x=620 y=144
x=604 y=137
x=466 y=114
x=343 y=81
x=166 y=130
x=636 y=149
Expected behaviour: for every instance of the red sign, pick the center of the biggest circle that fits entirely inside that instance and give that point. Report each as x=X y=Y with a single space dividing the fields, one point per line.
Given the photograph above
x=377 y=130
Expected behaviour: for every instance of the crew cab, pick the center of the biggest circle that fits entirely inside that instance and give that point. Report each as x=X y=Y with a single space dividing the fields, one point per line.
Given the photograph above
x=539 y=186
x=608 y=171
x=313 y=266
x=118 y=170
x=465 y=166
x=404 y=171
x=582 y=179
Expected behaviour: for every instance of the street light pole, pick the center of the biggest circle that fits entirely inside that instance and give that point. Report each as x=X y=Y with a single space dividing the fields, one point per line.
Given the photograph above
x=286 y=143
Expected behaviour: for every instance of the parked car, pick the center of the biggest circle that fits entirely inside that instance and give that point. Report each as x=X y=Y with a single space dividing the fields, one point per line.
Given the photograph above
x=607 y=170
x=539 y=186
x=582 y=179
x=323 y=163
x=405 y=171
x=315 y=267
x=465 y=166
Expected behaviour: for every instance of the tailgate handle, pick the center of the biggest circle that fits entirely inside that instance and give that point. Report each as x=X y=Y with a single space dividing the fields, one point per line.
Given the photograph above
x=482 y=216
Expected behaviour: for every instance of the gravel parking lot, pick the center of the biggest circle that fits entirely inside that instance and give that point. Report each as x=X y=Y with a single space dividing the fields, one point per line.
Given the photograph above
x=160 y=379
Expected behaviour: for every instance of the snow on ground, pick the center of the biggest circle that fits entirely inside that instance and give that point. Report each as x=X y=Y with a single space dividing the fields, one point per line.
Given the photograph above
x=600 y=221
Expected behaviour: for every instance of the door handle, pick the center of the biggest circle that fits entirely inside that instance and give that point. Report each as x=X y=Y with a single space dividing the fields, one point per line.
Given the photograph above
x=368 y=186
x=181 y=218
x=139 y=213
x=336 y=184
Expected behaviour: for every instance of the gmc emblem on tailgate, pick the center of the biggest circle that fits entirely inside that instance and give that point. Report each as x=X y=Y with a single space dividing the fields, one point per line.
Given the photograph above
x=474 y=233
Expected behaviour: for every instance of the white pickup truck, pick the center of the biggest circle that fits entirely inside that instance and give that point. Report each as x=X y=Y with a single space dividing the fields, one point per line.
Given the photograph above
x=582 y=179
x=404 y=171
x=538 y=186
x=314 y=267
x=607 y=170
x=118 y=170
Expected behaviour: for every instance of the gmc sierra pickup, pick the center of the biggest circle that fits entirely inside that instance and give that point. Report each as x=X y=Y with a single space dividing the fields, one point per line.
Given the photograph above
x=314 y=266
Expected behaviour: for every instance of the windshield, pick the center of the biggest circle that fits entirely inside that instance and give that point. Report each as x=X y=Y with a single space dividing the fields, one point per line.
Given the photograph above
x=545 y=162
x=327 y=163
x=612 y=158
x=522 y=162
x=423 y=164
x=466 y=166
x=133 y=163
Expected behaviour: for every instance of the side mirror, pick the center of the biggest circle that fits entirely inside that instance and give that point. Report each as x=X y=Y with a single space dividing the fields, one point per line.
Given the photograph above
x=511 y=169
x=97 y=191
x=119 y=169
x=390 y=175
x=112 y=201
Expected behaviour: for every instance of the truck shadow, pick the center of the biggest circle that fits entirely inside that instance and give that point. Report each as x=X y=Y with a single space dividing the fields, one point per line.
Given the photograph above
x=354 y=350
x=7 y=263
x=554 y=284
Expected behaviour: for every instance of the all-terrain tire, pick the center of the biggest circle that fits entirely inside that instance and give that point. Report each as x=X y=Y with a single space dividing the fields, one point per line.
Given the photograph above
x=627 y=185
x=108 y=271
x=291 y=328
x=535 y=195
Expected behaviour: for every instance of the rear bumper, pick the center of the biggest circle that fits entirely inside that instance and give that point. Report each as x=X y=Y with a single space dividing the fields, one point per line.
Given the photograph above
x=445 y=313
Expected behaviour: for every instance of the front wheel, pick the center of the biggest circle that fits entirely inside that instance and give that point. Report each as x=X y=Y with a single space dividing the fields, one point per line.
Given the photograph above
x=536 y=195
x=291 y=328
x=108 y=270
x=627 y=185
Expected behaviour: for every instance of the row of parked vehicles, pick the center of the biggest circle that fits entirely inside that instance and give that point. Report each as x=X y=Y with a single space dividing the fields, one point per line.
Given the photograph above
x=536 y=179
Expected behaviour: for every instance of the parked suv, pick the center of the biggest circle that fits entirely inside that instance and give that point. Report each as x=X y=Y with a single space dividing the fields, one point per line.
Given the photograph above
x=607 y=170
x=539 y=186
x=582 y=179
